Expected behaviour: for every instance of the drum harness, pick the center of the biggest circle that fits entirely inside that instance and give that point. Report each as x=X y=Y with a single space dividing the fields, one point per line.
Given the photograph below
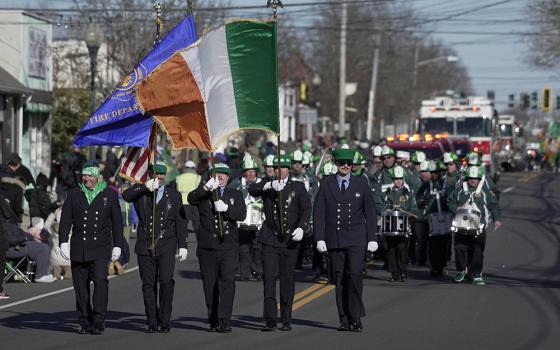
x=470 y=202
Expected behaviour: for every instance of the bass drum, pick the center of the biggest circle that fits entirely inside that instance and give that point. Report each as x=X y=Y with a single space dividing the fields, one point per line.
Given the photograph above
x=440 y=224
x=254 y=219
x=467 y=221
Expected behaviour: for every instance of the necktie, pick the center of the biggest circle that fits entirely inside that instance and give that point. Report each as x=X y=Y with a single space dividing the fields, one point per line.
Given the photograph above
x=343 y=186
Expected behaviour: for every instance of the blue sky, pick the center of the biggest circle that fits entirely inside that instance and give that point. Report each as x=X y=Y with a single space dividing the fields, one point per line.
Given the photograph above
x=494 y=60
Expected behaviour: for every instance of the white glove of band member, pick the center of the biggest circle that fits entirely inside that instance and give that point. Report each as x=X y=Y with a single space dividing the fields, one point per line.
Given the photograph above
x=321 y=246
x=220 y=206
x=297 y=235
x=372 y=246
x=267 y=186
x=183 y=254
x=278 y=185
x=152 y=184
x=65 y=250
x=116 y=254
x=212 y=184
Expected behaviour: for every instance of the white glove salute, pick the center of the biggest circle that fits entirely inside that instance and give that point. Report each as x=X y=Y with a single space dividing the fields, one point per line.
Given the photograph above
x=321 y=246
x=297 y=235
x=372 y=246
x=65 y=250
x=278 y=185
x=220 y=206
x=267 y=186
x=211 y=184
x=152 y=184
x=183 y=254
x=116 y=254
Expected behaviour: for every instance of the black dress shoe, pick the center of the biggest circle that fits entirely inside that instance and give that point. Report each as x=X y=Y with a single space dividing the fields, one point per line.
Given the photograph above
x=97 y=330
x=268 y=327
x=224 y=327
x=343 y=327
x=84 y=330
x=286 y=326
x=356 y=327
x=403 y=278
x=257 y=276
x=164 y=328
x=151 y=329
x=393 y=279
x=213 y=327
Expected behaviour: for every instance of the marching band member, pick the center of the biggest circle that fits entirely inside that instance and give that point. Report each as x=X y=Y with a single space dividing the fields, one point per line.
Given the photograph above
x=469 y=246
x=157 y=266
x=421 y=226
x=398 y=196
x=287 y=210
x=342 y=206
x=218 y=247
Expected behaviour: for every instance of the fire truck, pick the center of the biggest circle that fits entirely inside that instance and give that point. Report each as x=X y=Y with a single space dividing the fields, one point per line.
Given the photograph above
x=471 y=117
x=508 y=147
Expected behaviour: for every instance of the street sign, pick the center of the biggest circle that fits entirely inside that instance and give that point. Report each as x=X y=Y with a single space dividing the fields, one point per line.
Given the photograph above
x=307 y=115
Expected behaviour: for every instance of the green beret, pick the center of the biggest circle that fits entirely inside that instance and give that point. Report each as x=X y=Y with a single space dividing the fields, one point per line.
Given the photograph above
x=219 y=168
x=344 y=154
x=159 y=168
x=91 y=167
x=285 y=161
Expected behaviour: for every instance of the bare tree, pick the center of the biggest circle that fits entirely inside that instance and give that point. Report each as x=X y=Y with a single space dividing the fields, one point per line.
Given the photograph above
x=544 y=44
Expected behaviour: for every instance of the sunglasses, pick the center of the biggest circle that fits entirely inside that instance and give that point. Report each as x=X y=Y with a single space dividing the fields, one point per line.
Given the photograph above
x=387 y=157
x=344 y=162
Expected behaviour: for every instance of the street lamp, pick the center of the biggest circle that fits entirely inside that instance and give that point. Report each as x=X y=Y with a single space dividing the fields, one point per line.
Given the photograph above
x=93 y=37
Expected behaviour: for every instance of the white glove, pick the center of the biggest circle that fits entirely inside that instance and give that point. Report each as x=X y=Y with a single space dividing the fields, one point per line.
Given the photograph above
x=297 y=235
x=372 y=246
x=65 y=250
x=321 y=246
x=183 y=254
x=220 y=206
x=267 y=186
x=116 y=254
x=278 y=185
x=212 y=184
x=152 y=184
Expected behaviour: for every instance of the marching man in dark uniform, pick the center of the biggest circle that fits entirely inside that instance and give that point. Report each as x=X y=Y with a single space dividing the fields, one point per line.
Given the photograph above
x=218 y=248
x=280 y=237
x=345 y=224
x=157 y=263
x=93 y=214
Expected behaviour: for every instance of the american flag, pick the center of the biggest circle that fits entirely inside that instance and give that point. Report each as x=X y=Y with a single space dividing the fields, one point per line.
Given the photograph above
x=134 y=166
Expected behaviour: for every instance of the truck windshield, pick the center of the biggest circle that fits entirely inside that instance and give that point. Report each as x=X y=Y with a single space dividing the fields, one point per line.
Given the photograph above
x=474 y=127
x=436 y=125
x=506 y=130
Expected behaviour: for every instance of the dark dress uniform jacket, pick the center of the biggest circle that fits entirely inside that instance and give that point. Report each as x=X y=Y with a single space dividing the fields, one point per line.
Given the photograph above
x=171 y=224
x=208 y=235
x=96 y=227
x=296 y=207
x=344 y=220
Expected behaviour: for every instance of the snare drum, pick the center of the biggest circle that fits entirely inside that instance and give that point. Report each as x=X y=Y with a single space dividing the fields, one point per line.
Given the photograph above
x=440 y=224
x=254 y=219
x=395 y=223
x=467 y=221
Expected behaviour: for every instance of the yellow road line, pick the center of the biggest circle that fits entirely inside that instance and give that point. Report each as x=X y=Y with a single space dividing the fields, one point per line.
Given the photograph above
x=529 y=177
x=307 y=291
x=322 y=291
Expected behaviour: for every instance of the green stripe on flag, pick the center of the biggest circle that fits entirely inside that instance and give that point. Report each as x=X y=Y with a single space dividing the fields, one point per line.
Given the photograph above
x=253 y=61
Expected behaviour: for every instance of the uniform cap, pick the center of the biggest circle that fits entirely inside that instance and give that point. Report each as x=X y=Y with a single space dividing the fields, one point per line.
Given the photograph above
x=329 y=168
x=403 y=155
x=432 y=166
x=359 y=158
x=297 y=156
x=449 y=157
x=306 y=159
x=159 y=168
x=387 y=151
x=344 y=154
x=418 y=157
x=440 y=166
x=269 y=160
x=249 y=164
x=424 y=165
x=284 y=162
x=473 y=158
x=397 y=172
x=220 y=168
x=377 y=151
x=474 y=172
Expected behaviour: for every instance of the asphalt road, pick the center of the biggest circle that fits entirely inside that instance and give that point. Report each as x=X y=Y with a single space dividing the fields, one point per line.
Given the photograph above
x=519 y=308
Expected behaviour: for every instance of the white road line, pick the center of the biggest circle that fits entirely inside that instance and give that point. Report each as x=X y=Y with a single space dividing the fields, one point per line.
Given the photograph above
x=41 y=296
x=508 y=189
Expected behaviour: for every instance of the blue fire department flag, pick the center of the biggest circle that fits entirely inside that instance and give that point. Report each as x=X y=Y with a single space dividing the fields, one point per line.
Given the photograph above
x=119 y=121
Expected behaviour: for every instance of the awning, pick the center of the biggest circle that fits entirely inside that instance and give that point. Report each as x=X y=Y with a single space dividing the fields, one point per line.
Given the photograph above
x=10 y=85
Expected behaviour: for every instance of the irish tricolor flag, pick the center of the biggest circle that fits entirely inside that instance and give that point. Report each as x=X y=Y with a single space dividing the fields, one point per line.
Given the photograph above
x=224 y=82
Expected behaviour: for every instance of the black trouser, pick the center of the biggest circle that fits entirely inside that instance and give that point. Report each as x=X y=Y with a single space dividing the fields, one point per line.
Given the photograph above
x=347 y=266
x=246 y=238
x=82 y=274
x=218 y=280
x=256 y=254
x=304 y=247
x=437 y=251
x=397 y=255
x=421 y=229
x=3 y=248
x=278 y=263
x=191 y=212
x=320 y=263
x=156 y=271
x=469 y=252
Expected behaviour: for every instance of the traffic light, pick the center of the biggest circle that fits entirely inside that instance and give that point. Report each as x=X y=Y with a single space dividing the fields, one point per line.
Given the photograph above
x=511 y=103
x=302 y=91
x=524 y=97
x=546 y=105
x=534 y=100
x=491 y=94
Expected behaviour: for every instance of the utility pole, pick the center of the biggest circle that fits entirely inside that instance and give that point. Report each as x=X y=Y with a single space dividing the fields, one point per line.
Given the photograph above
x=372 y=89
x=342 y=77
x=414 y=83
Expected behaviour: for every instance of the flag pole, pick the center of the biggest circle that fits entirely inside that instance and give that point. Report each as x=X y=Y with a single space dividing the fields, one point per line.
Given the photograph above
x=159 y=27
x=217 y=198
x=274 y=5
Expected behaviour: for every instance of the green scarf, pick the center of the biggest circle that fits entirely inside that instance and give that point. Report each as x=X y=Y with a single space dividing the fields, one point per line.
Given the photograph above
x=91 y=194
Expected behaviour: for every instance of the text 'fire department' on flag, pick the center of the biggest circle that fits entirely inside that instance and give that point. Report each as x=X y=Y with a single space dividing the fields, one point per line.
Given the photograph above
x=224 y=82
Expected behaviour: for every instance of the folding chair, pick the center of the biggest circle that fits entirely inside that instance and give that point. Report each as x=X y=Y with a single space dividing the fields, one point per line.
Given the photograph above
x=17 y=267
